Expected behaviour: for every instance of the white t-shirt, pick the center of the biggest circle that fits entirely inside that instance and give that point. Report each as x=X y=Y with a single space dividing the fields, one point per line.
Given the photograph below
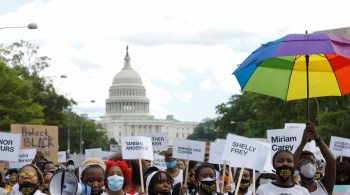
x=272 y=189
x=3 y=191
x=178 y=178
x=319 y=190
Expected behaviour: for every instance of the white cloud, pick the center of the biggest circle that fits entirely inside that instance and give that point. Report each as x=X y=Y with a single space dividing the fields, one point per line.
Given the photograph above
x=206 y=85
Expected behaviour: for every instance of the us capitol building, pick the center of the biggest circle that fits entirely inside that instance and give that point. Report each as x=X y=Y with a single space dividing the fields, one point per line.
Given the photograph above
x=127 y=110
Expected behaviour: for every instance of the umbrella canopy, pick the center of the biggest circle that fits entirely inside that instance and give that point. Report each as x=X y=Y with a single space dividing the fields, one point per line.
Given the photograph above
x=298 y=66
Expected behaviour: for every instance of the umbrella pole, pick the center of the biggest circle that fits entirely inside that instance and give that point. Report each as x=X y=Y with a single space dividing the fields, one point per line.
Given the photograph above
x=307 y=87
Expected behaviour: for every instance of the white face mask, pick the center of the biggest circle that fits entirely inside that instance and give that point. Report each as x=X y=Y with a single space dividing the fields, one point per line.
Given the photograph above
x=308 y=170
x=265 y=181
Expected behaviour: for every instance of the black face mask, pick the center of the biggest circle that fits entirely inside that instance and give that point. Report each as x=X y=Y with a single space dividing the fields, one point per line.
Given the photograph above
x=28 y=188
x=243 y=187
x=208 y=187
x=318 y=176
x=163 y=193
x=284 y=172
x=96 y=192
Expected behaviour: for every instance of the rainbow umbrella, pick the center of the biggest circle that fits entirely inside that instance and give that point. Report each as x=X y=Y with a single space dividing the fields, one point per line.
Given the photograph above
x=298 y=66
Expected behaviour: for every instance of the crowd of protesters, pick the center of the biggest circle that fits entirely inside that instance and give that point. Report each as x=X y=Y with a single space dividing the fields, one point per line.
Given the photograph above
x=293 y=174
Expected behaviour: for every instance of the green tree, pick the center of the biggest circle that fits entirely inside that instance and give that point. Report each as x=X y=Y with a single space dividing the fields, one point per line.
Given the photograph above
x=204 y=131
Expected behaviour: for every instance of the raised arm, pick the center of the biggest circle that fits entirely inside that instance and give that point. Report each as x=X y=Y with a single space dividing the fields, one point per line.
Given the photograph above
x=307 y=135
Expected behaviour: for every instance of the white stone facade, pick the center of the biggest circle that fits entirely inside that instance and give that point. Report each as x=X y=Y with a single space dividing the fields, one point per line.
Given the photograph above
x=127 y=110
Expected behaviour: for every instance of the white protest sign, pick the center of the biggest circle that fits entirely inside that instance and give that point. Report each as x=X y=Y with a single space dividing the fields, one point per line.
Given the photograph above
x=340 y=146
x=61 y=156
x=268 y=162
x=295 y=125
x=215 y=152
x=105 y=155
x=244 y=152
x=284 y=139
x=137 y=147
x=189 y=149
x=159 y=140
x=93 y=153
x=25 y=157
x=159 y=161
x=9 y=145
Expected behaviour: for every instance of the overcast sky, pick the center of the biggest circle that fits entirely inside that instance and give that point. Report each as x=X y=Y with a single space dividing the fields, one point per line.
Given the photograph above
x=184 y=50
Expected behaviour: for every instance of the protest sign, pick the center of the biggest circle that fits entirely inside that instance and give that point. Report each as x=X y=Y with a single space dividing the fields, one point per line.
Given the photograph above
x=25 y=157
x=106 y=155
x=61 y=156
x=137 y=147
x=340 y=146
x=159 y=161
x=295 y=125
x=9 y=146
x=244 y=152
x=189 y=149
x=159 y=140
x=215 y=152
x=318 y=154
x=284 y=139
x=40 y=137
x=93 y=153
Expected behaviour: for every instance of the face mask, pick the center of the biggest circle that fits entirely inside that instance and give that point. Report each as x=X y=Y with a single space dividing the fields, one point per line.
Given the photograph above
x=207 y=185
x=243 y=187
x=308 y=170
x=171 y=164
x=318 y=176
x=97 y=192
x=115 y=182
x=265 y=181
x=163 y=193
x=284 y=172
x=28 y=188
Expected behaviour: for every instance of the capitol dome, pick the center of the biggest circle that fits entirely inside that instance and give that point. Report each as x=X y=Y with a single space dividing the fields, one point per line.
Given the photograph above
x=127 y=95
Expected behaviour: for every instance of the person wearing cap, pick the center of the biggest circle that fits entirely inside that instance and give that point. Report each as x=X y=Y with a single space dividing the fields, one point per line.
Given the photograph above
x=12 y=175
x=118 y=177
x=93 y=174
x=159 y=182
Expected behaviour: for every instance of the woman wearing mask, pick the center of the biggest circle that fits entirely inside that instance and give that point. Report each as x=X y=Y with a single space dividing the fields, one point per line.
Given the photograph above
x=159 y=183
x=307 y=164
x=283 y=162
x=171 y=167
x=206 y=178
x=190 y=187
x=93 y=174
x=118 y=177
x=245 y=182
x=30 y=180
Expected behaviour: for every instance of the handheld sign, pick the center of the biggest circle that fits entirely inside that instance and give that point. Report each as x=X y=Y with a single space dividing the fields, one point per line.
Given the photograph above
x=189 y=149
x=340 y=146
x=93 y=153
x=215 y=152
x=242 y=151
x=294 y=125
x=105 y=155
x=159 y=140
x=39 y=137
x=137 y=147
x=9 y=146
x=62 y=156
x=25 y=157
x=159 y=162
x=284 y=139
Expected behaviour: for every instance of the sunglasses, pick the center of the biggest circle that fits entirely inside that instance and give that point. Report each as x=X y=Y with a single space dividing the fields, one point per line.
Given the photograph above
x=27 y=175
